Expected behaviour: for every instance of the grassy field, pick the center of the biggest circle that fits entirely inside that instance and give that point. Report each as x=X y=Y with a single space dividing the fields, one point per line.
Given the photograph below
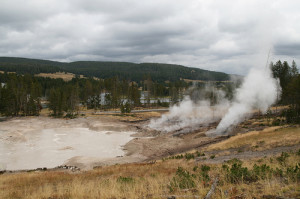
x=260 y=140
x=64 y=76
x=7 y=72
x=176 y=176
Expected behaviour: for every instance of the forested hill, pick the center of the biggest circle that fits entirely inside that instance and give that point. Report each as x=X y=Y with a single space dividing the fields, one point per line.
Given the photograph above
x=124 y=70
x=31 y=66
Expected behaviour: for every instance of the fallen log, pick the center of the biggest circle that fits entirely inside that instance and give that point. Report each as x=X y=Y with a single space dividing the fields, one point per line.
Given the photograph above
x=212 y=189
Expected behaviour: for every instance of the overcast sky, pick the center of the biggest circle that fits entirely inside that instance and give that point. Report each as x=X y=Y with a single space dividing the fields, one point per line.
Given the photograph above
x=229 y=36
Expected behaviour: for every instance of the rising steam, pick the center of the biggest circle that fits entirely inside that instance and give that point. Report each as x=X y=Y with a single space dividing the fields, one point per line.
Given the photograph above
x=190 y=115
x=259 y=91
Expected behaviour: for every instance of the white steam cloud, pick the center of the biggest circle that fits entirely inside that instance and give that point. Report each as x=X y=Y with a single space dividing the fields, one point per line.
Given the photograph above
x=190 y=115
x=259 y=90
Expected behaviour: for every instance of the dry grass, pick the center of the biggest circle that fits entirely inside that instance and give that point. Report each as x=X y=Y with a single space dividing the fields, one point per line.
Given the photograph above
x=140 y=181
x=131 y=117
x=7 y=72
x=64 y=76
x=98 y=183
x=259 y=140
x=45 y=112
x=128 y=117
x=201 y=81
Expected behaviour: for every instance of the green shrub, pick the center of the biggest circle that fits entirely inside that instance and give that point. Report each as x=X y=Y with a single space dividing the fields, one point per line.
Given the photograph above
x=293 y=173
x=234 y=160
x=282 y=158
x=126 y=108
x=198 y=154
x=225 y=167
x=125 y=179
x=276 y=122
x=204 y=173
x=189 y=156
x=183 y=180
x=71 y=115
x=238 y=174
x=195 y=168
x=278 y=172
x=205 y=168
x=261 y=172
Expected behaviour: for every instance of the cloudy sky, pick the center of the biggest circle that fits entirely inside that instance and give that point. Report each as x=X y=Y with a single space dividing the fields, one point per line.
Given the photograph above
x=229 y=36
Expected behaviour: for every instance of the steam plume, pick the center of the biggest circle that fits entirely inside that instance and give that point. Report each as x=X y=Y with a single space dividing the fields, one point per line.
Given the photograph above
x=258 y=91
x=190 y=115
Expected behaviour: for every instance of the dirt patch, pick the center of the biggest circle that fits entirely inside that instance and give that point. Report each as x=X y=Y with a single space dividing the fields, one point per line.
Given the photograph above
x=166 y=144
x=225 y=155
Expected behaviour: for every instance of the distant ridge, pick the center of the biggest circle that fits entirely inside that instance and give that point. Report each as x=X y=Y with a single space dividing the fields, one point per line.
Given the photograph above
x=124 y=70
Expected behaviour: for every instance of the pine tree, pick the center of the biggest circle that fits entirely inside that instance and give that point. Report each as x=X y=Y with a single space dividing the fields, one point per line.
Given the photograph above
x=72 y=99
x=282 y=71
x=294 y=69
x=53 y=101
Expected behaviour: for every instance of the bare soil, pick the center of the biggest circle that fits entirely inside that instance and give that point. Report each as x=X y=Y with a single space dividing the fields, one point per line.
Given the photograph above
x=148 y=144
x=226 y=155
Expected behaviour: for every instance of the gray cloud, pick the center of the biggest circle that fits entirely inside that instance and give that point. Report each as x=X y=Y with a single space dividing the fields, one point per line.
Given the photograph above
x=229 y=36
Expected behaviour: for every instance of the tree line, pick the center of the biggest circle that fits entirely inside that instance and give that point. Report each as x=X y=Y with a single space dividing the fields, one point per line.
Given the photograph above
x=19 y=95
x=23 y=95
x=123 y=70
x=289 y=80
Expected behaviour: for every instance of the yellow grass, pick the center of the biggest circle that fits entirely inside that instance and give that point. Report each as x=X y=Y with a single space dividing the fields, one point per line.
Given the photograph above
x=7 y=72
x=148 y=181
x=268 y=138
x=202 y=81
x=62 y=75
x=131 y=117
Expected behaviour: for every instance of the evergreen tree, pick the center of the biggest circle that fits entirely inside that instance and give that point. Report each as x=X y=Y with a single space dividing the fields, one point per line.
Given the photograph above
x=57 y=102
x=293 y=113
x=283 y=73
x=174 y=95
x=72 y=100
x=134 y=95
x=294 y=69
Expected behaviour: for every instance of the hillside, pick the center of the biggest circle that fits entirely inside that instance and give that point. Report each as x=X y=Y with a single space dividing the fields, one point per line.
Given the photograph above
x=31 y=66
x=124 y=70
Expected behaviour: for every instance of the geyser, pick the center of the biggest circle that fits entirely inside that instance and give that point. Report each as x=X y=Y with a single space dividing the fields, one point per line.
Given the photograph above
x=258 y=91
x=190 y=115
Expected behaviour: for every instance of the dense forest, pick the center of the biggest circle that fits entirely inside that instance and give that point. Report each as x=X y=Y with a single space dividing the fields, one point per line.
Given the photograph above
x=289 y=80
x=122 y=70
x=24 y=94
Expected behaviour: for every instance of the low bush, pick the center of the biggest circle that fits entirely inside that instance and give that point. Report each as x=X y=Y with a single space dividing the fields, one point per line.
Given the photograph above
x=282 y=158
x=183 y=179
x=125 y=179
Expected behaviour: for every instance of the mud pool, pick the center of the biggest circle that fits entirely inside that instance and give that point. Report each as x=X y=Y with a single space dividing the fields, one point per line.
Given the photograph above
x=51 y=147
